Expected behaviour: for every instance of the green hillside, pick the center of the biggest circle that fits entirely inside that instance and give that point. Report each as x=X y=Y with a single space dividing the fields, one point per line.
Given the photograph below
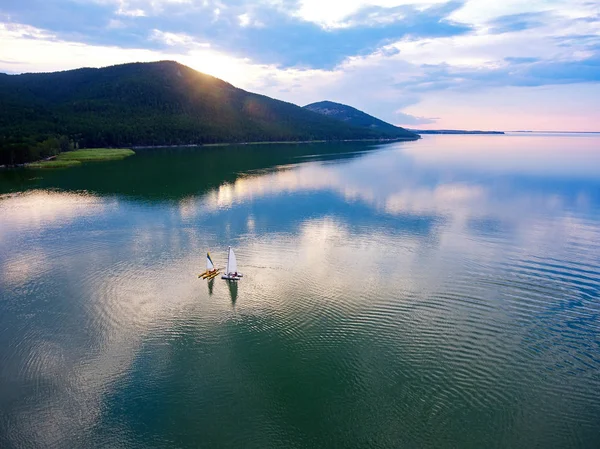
x=159 y=103
x=354 y=117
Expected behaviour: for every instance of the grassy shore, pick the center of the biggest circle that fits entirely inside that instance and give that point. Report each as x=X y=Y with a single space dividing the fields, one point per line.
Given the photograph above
x=72 y=158
x=95 y=154
x=54 y=163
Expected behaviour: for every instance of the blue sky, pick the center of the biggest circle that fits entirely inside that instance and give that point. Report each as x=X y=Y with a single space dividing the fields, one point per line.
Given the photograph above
x=416 y=63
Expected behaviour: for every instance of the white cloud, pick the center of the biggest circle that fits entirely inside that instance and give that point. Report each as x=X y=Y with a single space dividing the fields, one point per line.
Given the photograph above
x=334 y=14
x=247 y=20
x=404 y=119
x=131 y=12
x=177 y=39
x=479 y=12
x=244 y=20
x=20 y=53
x=139 y=8
x=22 y=31
x=390 y=73
x=43 y=55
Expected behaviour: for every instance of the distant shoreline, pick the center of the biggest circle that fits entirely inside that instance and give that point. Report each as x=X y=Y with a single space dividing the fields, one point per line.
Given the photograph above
x=455 y=131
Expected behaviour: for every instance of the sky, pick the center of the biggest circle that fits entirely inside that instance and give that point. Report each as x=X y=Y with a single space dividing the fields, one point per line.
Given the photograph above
x=427 y=64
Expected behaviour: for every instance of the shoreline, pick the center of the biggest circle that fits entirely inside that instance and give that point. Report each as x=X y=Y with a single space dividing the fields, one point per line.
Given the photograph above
x=458 y=132
x=269 y=142
x=72 y=158
x=222 y=144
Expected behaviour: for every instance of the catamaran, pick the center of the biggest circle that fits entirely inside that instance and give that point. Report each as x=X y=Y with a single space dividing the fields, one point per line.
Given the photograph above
x=231 y=273
x=211 y=271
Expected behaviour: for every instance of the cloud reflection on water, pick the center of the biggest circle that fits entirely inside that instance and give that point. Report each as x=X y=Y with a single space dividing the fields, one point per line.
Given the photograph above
x=135 y=281
x=463 y=178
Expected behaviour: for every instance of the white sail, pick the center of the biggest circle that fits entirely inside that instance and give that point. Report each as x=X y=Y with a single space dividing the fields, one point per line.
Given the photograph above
x=209 y=263
x=231 y=262
x=231 y=273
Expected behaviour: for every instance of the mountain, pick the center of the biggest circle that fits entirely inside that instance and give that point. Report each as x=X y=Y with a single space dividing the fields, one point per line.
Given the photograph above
x=157 y=103
x=353 y=116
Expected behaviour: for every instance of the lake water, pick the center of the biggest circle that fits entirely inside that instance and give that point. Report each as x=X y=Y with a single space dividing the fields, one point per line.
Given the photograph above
x=440 y=293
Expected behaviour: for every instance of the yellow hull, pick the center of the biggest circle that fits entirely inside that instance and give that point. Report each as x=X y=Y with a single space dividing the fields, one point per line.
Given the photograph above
x=213 y=274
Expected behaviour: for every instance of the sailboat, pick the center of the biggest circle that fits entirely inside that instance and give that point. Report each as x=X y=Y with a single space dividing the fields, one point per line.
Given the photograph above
x=211 y=271
x=231 y=273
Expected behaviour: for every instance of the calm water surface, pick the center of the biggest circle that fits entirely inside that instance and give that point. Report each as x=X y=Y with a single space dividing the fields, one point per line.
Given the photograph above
x=440 y=293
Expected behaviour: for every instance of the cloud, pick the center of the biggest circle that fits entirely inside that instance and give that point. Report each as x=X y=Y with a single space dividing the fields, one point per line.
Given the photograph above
x=520 y=60
x=403 y=119
x=131 y=12
x=381 y=56
x=270 y=35
x=518 y=22
x=335 y=14
x=261 y=31
x=177 y=40
x=20 y=31
x=23 y=50
x=517 y=72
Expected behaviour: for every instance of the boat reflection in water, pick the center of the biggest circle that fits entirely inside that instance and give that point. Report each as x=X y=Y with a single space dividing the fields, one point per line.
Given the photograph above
x=233 y=291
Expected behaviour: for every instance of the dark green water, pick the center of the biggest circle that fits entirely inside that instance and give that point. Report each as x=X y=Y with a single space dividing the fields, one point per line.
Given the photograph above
x=442 y=293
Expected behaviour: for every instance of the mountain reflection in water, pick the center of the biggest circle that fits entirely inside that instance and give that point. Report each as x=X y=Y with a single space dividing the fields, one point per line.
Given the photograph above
x=440 y=293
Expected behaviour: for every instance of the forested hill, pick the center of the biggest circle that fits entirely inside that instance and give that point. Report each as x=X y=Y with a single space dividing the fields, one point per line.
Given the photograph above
x=353 y=116
x=159 y=103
